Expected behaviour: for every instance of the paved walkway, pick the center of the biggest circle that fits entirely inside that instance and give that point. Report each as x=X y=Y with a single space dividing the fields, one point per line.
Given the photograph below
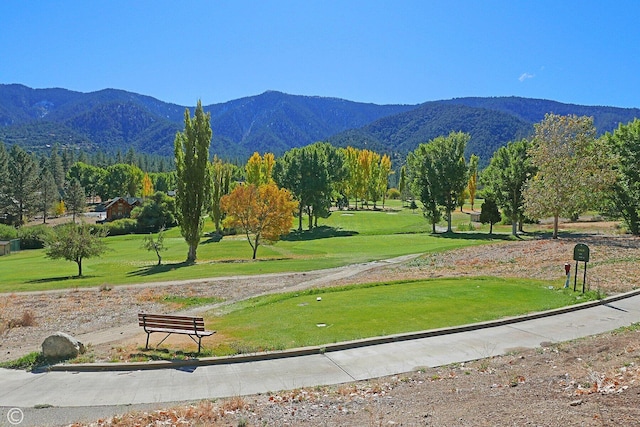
x=216 y=378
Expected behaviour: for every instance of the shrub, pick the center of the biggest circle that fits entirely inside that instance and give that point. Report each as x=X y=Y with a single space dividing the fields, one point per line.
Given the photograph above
x=393 y=194
x=8 y=232
x=34 y=237
x=121 y=226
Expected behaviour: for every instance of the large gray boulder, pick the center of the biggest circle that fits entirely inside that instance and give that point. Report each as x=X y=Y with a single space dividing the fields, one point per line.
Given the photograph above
x=61 y=346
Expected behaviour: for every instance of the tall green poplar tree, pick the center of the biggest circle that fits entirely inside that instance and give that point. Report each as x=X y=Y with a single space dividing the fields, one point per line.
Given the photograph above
x=193 y=173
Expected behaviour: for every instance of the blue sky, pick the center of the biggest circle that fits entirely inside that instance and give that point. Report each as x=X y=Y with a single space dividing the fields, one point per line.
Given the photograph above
x=385 y=52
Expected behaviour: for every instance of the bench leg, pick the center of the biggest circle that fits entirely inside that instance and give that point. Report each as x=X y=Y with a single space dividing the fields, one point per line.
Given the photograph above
x=146 y=346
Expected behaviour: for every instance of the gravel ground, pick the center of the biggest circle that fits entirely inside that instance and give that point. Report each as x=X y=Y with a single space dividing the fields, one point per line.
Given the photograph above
x=595 y=381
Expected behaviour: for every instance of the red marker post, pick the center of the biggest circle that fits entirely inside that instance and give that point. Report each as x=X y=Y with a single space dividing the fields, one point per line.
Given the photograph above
x=567 y=272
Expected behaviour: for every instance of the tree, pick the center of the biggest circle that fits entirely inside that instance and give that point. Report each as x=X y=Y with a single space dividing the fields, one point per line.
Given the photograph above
x=505 y=178
x=489 y=213
x=156 y=213
x=156 y=245
x=91 y=178
x=221 y=174
x=259 y=169
x=422 y=181
x=48 y=193
x=4 y=165
x=21 y=185
x=573 y=168
x=56 y=167
x=74 y=198
x=623 y=200
x=147 y=186
x=263 y=213
x=472 y=185
x=312 y=174
x=191 y=149
x=76 y=242
x=440 y=173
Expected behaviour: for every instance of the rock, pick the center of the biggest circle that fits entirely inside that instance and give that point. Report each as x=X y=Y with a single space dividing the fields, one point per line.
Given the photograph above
x=61 y=346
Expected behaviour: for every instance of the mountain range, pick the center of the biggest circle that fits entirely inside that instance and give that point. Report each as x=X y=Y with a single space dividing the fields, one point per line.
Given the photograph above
x=112 y=120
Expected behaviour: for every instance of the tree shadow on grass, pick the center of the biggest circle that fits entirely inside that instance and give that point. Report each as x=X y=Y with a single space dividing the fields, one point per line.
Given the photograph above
x=59 y=279
x=322 y=232
x=158 y=269
x=473 y=236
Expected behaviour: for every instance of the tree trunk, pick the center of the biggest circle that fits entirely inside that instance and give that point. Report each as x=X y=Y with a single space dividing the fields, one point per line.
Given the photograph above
x=449 y=229
x=191 y=256
x=79 y=262
x=255 y=248
x=514 y=227
x=555 y=226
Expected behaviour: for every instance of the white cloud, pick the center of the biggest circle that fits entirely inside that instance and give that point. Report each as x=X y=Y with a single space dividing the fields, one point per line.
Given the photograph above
x=525 y=76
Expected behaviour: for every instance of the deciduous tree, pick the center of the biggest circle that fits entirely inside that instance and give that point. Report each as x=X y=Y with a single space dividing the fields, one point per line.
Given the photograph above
x=263 y=213
x=489 y=213
x=156 y=245
x=472 y=185
x=573 y=168
x=505 y=178
x=191 y=148
x=623 y=200
x=441 y=172
x=221 y=174
x=76 y=242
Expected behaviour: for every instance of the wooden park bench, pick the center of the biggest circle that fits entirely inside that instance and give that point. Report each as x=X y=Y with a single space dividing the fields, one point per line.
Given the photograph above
x=164 y=323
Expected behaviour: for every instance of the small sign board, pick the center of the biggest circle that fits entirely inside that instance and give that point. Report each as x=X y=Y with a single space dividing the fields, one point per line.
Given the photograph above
x=581 y=252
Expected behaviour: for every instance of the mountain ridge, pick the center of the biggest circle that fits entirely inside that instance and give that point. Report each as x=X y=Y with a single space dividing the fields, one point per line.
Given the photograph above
x=114 y=119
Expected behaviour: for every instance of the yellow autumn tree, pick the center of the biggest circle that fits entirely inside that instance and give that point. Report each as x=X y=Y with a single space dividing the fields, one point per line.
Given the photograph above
x=147 y=186
x=259 y=169
x=262 y=212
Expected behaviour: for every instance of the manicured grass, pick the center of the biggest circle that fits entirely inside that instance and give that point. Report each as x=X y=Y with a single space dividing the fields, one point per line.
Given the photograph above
x=342 y=239
x=298 y=319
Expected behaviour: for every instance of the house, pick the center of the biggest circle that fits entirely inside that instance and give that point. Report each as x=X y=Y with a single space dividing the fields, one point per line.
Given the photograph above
x=121 y=207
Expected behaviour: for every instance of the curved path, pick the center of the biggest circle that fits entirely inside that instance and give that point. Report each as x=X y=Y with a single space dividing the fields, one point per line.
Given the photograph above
x=216 y=378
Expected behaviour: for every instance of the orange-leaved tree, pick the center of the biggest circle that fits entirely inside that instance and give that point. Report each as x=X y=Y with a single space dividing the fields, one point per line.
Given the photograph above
x=263 y=213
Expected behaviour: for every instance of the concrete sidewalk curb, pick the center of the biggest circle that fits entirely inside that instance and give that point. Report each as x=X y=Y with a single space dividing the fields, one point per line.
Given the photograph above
x=315 y=350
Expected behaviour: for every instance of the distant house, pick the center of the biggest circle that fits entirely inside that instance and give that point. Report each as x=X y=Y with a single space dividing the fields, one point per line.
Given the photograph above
x=121 y=207
x=8 y=246
x=5 y=247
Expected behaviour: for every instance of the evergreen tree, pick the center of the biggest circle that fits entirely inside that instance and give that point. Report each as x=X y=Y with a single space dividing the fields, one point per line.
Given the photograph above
x=193 y=176
x=56 y=167
x=74 y=198
x=21 y=184
x=49 y=193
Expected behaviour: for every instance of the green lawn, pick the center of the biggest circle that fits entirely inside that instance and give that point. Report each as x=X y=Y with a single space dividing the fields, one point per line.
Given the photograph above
x=299 y=319
x=343 y=238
